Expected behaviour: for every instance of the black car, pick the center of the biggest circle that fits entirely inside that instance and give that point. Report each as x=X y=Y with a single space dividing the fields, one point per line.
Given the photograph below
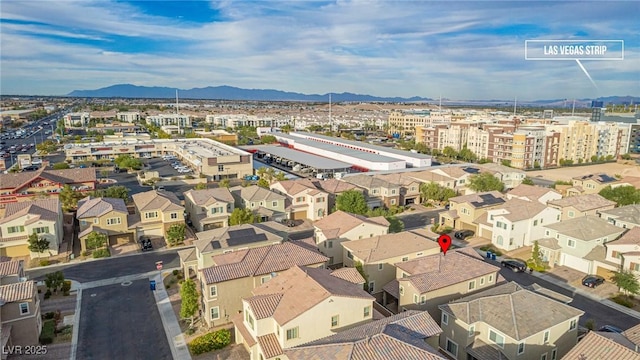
x=514 y=265
x=592 y=281
x=145 y=244
x=611 y=329
x=462 y=234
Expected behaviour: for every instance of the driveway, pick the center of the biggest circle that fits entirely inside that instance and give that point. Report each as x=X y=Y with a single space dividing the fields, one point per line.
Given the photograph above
x=121 y=322
x=574 y=278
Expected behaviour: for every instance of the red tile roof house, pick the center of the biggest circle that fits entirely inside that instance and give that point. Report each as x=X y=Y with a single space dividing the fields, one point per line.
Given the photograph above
x=26 y=186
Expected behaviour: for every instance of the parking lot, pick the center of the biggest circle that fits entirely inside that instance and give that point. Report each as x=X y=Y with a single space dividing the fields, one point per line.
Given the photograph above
x=131 y=328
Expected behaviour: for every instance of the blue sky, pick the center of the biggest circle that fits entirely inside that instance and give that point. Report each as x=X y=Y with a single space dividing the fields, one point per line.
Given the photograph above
x=453 y=49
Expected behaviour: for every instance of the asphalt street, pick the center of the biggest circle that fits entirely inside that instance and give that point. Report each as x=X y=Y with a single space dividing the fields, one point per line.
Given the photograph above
x=600 y=313
x=121 y=322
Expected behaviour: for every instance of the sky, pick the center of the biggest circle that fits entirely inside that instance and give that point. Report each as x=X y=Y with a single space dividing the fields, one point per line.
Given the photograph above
x=449 y=49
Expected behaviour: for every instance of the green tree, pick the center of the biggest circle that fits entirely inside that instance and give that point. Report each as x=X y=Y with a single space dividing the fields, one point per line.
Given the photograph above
x=352 y=201
x=527 y=181
x=200 y=186
x=37 y=244
x=626 y=281
x=286 y=128
x=69 y=198
x=594 y=158
x=225 y=183
x=268 y=139
x=175 y=235
x=47 y=147
x=280 y=176
x=241 y=216
x=467 y=155
x=61 y=166
x=622 y=195
x=506 y=163
x=360 y=268
x=395 y=225
x=450 y=152
x=189 y=301
x=127 y=162
x=485 y=182
x=535 y=262
x=115 y=191
x=96 y=240
x=434 y=191
x=54 y=280
x=263 y=182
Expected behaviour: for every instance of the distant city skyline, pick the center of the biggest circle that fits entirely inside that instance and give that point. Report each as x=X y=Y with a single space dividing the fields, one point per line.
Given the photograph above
x=454 y=49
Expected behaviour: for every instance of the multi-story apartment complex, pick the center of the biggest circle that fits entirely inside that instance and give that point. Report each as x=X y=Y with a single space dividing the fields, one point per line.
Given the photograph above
x=77 y=119
x=239 y=120
x=179 y=120
x=406 y=122
x=128 y=116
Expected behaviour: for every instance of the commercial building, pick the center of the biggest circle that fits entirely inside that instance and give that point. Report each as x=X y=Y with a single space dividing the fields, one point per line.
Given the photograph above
x=128 y=116
x=205 y=156
x=77 y=119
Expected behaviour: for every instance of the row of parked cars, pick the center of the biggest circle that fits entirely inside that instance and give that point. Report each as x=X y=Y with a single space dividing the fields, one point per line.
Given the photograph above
x=176 y=164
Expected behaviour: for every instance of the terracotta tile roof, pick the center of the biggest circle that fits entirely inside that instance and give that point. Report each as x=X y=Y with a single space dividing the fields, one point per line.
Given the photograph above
x=498 y=168
x=518 y=209
x=302 y=289
x=46 y=209
x=398 y=179
x=550 y=243
x=18 y=291
x=392 y=288
x=631 y=237
x=349 y=274
x=210 y=196
x=583 y=202
x=270 y=345
x=255 y=193
x=66 y=176
x=586 y=228
x=12 y=267
x=512 y=310
x=633 y=334
x=629 y=213
x=264 y=305
x=157 y=200
x=94 y=207
x=238 y=322
x=334 y=186
x=400 y=336
x=481 y=350
x=599 y=253
x=294 y=187
x=429 y=176
x=530 y=191
x=480 y=200
x=379 y=248
x=233 y=236
x=339 y=222
x=187 y=255
x=260 y=261
x=439 y=271
x=18 y=180
x=455 y=172
x=369 y=182
x=595 y=346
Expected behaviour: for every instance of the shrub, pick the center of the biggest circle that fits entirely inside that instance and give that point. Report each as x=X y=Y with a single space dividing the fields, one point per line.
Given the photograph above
x=203 y=176
x=590 y=324
x=209 y=342
x=85 y=253
x=101 y=253
x=48 y=332
x=189 y=177
x=66 y=286
x=175 y=272
x=44 y=262
x=49 y=315
x=190 y=331
x=168 y=286
x=623 y=300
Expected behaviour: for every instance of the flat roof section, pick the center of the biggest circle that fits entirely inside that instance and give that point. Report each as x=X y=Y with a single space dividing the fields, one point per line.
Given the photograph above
x=314 y=161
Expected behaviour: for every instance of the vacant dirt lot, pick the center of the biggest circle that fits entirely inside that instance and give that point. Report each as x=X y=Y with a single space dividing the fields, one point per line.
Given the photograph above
x=566 y=173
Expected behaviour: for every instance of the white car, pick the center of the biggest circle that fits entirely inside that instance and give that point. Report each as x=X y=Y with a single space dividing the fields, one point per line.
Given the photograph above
x=184 y=171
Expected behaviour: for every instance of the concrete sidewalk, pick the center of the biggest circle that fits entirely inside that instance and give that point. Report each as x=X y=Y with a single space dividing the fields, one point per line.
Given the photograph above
x=175 y=337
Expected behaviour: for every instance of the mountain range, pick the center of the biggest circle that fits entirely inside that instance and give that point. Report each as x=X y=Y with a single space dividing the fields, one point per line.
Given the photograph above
x=235 y=93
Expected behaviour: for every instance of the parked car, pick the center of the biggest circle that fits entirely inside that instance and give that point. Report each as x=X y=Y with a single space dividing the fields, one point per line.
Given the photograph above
x=514 y=265
x=592 y=281
x=145 y=245
x=462 y=234
x=611 y=329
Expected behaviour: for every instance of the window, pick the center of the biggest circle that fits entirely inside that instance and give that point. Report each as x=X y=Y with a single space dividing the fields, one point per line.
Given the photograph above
x=472 y=285
x=554 y=354
x=558 y=218
x=393 y=201
x=320 y=200
x=15 y=229
x=174 y=216
x=520 y=348
x=274 y=204
x=96 y=221
x=472 y=330
x=151 y=215
x=349 y=255
x=452 y=348
x=249 y=320
x=372 y=286
x=513 y=227
x=545 y=337
x=490 y=279
x=264 y=279
x=571 y=214
x=335 y=320
x=496 y=338
x=415 y=298
x=543 y=356
x=401 y=290
x=220 y=167
x=24 y=308
x=546 y=233
x=445 y=318
x=43 y=230
x=300 y=199
x=380 y=267
x=329 y=244
x=482 y=281
x=573 y=324
x=405 y=259
x=419 y=254
x=423 y=300
x=634 y=266
x=292 y=333
x=535 y=222
x=215 y=313
x=213 y=291
x=367 y=311
x=571 y=243
x=114 y=221
x=393 y=191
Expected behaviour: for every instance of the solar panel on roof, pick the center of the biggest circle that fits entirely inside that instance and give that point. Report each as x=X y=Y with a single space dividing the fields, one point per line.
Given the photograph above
x=471 y=170
x=244 y=236
x=216 y=244
x=606 y=178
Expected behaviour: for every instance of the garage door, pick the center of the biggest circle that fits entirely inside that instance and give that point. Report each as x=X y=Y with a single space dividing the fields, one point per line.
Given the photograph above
x=120 y=239
x=19 y=250
x=605 y=273
x=151 y=232
x=299 y=215
x=576 y=263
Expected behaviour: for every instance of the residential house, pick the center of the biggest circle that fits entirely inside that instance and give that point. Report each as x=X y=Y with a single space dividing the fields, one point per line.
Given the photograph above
x=157 y=211
x=434 y=176
x=427 y=282
x=576 y=238
x=298 y=306
x=516 y=223
x=104 y=215
x=334 y=188
x=11 y=271
x=223 y=240
x=233 y=275
x=340 y=226
x=20 y=316
x=269 y=205
x=304 y=200
x=210 y=208
x=590 y=184
x=21 y=219
x=26 y=186
x=633 y=334
x=581 y=205
x=601 y=345
x=465 y=209
x=626 y=217
x=623 y=253
x=374 y=187
x=379 y=254
x=508 y=322
x=509 y=176
x=533 y=193
x=410 y=335
x=460 y=176
x=409 y=187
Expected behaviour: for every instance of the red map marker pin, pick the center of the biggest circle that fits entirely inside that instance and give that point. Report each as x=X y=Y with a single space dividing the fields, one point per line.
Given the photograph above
x=445 y=242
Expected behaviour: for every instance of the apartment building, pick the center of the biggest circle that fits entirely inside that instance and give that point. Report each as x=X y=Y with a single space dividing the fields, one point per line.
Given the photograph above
x=21 y=219
x=406 y=122
x=128 y=116
x=209 y=208
x=180 y=120
x=234 y=121
x=77 y=120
